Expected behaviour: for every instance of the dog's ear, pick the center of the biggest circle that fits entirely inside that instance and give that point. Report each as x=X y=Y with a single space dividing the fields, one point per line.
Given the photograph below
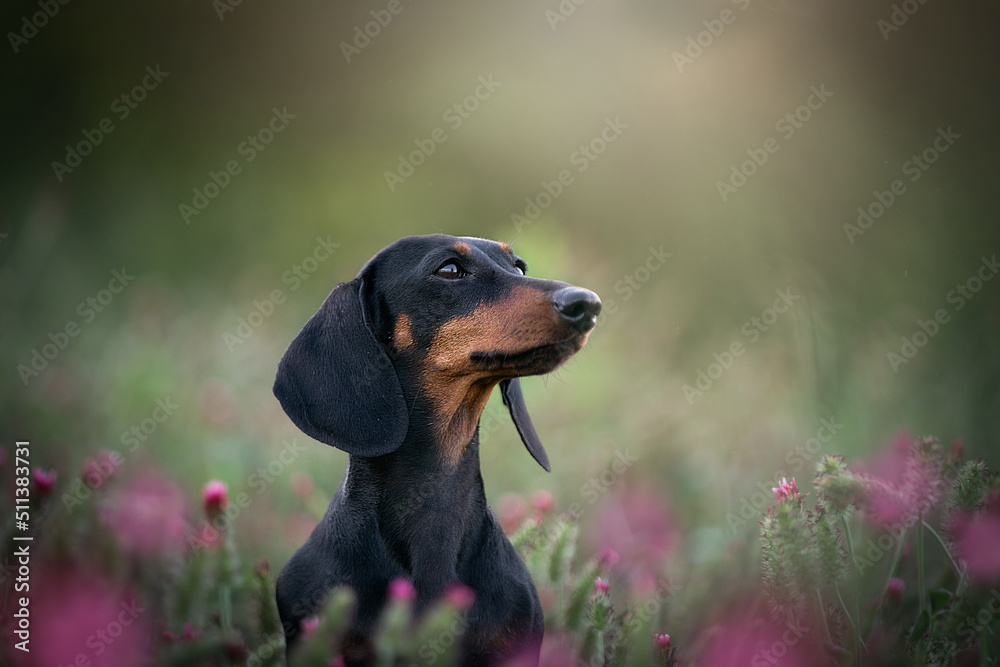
x=337 y=383
x=510 y=390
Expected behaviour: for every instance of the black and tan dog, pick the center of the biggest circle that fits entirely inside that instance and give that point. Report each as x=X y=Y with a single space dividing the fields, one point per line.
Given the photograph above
x=395 y=369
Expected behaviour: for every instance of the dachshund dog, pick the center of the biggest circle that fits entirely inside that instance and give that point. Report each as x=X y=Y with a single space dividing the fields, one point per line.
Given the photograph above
x=395 y=369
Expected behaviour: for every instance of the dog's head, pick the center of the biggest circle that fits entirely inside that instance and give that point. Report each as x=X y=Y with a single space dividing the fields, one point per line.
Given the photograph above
x=429 y=326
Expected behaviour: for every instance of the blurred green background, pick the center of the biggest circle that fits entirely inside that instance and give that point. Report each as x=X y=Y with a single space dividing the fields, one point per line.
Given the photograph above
x=655 y=187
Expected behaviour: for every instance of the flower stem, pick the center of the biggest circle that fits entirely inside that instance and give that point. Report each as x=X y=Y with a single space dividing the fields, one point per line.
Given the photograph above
x=958 y=571
x=856 y=622
x=226 y=606
x=822 y=616
x=920 y=561
x=895 y=559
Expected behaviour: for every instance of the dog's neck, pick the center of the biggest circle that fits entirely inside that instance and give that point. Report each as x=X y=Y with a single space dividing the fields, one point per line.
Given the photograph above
x=450 y=404
x=427 y=510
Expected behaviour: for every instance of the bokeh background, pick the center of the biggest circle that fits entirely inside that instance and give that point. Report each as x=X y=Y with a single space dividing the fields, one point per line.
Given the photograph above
x=561 y=70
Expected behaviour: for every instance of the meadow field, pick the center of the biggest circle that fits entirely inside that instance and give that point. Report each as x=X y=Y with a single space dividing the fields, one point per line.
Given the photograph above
x=775 y=449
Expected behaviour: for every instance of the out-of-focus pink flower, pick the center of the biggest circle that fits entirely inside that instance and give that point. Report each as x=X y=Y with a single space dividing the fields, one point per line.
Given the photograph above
x=44 y=481
x=956 y=451
x=643 y=584
x=662 y=641
x=601 y=586
x=542 y=501
x=638 y=526
x=886 y=504
x=894 y=590
x=217 y=402
x=607 y=557
x=745 y=641
x=402 y=590
x=511 y=509
x=100 y=469
x=189 y=634
x=309 y=625
x=236 y=650
x=206 y=536
x=993 y=501
x=337 y=661
x=302 y=484
x=146 y=515
x=215 y=497
x=459 y=595
x=74 y=614
x=557 y=651
x=785 y=490
x=903 y=481
x=977 y=542
x=889 y=463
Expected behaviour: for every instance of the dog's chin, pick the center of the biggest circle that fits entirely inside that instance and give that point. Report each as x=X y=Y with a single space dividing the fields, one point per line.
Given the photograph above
x=536 y=360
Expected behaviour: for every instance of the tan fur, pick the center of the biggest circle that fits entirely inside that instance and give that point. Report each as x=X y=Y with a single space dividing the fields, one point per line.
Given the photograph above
x=462 y=248
x=402 y=335
x=456 y=388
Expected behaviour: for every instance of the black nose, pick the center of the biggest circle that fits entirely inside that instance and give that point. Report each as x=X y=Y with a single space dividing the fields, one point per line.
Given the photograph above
x=578 y=307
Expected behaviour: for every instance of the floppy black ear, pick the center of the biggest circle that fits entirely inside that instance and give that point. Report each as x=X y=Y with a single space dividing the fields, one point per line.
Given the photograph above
x=510 y=390
x=336 y=382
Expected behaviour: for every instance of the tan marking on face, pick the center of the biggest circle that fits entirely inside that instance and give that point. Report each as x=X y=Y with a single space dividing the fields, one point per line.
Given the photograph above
x=462 y=248
x=402 y=334
x=523 y=320
x=506 y=248
x=456 y=388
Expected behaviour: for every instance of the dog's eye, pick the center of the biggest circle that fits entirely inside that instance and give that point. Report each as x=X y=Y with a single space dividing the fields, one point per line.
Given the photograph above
x=451 y=271
x=521 y=268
